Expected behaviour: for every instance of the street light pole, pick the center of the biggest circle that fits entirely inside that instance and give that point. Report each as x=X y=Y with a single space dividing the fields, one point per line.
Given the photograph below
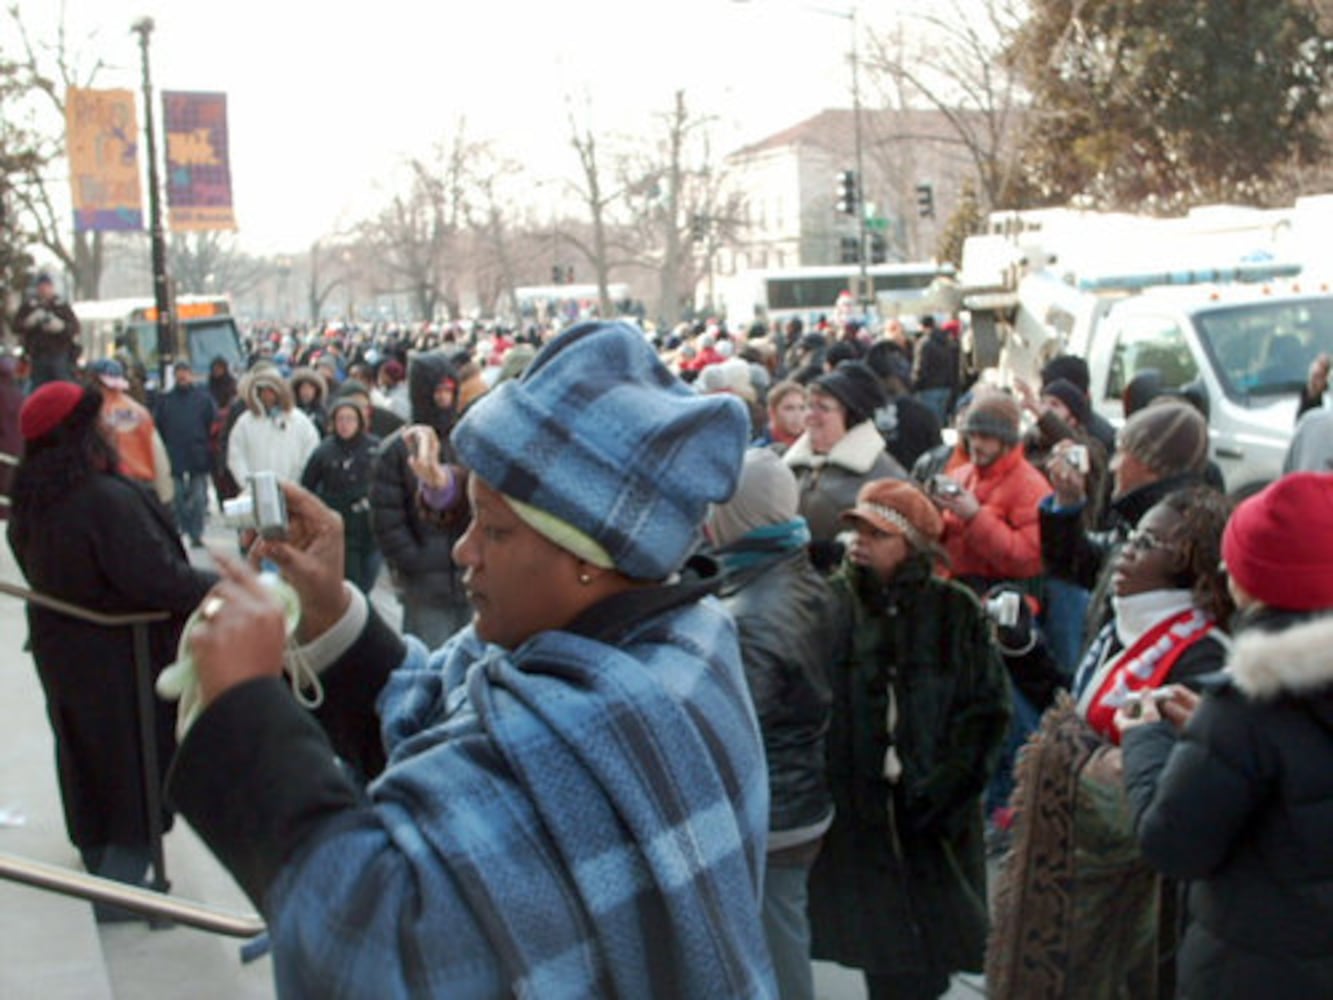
x=865 y=294
x=166 y=342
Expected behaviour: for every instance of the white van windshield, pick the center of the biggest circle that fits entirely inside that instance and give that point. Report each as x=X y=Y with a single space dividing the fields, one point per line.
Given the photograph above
x=1265 y=349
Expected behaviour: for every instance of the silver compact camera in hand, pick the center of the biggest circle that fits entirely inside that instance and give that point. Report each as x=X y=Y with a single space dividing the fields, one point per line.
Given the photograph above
x=263 y=509
x=1003 y=608
x=1077 y=457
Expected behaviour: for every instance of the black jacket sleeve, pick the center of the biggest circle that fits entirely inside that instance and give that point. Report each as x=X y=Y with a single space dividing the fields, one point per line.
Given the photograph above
x=1191 y=810
x=351 y=686
x=393 y=493
x=1068 y=552
x=254 y=776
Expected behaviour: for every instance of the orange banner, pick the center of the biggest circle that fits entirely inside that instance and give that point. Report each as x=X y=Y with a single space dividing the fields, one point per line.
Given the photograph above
x=102 y=138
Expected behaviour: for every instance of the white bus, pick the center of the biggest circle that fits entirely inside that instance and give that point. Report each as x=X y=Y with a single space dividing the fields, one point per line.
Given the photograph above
x=112 y=326
x=561 y=304
x=808 y=293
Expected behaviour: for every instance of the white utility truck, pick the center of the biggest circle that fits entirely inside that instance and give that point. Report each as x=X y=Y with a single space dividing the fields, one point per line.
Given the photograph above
x=1215 y=301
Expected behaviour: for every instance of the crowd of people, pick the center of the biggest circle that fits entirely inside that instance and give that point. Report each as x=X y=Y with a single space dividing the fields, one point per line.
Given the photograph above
x=718 y=655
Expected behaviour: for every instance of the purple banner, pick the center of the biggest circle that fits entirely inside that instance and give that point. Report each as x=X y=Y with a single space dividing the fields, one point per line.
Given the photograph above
x=198 y=173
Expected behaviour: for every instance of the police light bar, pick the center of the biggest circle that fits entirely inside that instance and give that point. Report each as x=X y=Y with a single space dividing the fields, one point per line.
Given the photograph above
x=1264 y=271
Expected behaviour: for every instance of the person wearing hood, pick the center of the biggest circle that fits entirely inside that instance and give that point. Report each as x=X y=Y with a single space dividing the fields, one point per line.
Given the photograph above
x=310 y=391
x=419 y=548
x=339 y=474
x=272 y=435
x=1234 y=791
x=380 y=421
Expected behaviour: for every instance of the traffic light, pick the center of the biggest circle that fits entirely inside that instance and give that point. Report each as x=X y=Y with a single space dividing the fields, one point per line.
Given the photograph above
x=557 y=274
x=925 y=201
x=847 y=198
x=698 y=227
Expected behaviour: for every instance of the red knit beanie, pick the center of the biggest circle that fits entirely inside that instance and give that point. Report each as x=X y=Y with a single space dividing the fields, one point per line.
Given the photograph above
x=47 y=407
x=1278 y=544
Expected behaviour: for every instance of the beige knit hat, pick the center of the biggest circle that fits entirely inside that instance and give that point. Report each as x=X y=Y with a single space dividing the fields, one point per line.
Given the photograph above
x=1168 y=436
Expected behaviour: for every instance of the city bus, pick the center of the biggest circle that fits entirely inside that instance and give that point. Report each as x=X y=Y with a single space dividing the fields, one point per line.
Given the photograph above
x=562 y=303
x=112 y=326
x=808 y=293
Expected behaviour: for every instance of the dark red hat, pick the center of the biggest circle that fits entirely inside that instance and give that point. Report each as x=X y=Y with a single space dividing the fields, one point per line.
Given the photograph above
x=1278 y=544
x=47 y=407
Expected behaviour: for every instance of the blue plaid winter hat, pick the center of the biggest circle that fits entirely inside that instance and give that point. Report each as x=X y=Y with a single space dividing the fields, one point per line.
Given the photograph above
x=600 y=435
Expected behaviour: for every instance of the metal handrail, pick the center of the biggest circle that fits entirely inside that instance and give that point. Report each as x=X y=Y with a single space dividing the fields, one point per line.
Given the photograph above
x=143 y=901
x=82 y=613
x=153 y=904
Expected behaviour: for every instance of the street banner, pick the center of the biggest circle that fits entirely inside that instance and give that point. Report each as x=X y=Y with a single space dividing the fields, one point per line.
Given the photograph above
x=198 y=174
x=102 y=138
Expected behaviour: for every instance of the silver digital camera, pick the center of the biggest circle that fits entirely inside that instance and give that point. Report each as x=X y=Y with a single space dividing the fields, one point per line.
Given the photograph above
x=1077 y=457
x=1003 y=608
x=262 y=509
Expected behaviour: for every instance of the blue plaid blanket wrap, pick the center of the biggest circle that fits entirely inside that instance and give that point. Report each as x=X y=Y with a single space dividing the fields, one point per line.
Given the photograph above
x=570 y=819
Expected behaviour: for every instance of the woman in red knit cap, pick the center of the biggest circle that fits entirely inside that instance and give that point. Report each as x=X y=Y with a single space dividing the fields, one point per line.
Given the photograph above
x=85 y=534
x=1240 y=803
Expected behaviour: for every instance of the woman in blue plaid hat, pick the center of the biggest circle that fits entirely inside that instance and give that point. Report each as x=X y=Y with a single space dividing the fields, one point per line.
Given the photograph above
x=570 y=797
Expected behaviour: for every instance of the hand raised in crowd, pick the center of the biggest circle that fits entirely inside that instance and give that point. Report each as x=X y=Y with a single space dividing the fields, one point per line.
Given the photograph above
x=1027 y=396
x=311 y=560
x=423 y=456
x=241 y=632
x=1069 y=481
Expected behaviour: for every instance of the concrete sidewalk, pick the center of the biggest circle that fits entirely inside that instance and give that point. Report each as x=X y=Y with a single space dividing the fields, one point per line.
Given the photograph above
x=50 y=946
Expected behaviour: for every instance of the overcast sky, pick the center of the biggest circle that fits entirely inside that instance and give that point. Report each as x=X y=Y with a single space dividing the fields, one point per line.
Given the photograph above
x=321 y=107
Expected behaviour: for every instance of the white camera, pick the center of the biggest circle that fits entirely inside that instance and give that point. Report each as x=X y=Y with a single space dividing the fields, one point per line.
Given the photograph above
x=1003 y=608
x=263 y=509
x=1077 y=457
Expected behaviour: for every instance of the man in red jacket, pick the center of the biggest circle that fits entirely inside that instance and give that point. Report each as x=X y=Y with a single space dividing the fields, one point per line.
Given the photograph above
x=991 y=528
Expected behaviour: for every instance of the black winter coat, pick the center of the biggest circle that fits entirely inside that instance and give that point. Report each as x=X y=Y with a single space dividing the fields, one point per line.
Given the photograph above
x=1242 y=805
x=338 y=472
x=184 y=418
x=419 y=550
x=784 y=612
x=900 y=886
x=936 y=363
x=110 y=546
x=1086 y=558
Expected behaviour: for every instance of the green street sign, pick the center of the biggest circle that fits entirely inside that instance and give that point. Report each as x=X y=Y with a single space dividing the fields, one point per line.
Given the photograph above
x=877 y=223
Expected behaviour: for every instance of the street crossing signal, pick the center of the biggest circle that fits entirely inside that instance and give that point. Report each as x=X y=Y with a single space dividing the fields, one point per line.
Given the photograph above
x=925 y=201
x=846 y=192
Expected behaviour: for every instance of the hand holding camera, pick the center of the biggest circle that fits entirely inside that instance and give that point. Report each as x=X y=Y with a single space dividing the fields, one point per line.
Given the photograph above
x=311 y=559
x=263 y=509
x=1068 y=472
x=950 y=495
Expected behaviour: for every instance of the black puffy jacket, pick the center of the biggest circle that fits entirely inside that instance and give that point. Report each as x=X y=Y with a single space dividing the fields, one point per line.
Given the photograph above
x=419 y=551
x=784 y=613
x=1242 y=805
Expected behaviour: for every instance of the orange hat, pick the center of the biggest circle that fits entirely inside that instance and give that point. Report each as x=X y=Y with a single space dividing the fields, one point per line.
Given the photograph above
x=898 y=507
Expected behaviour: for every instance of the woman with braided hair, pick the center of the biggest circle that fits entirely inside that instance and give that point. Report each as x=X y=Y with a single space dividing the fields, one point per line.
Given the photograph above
x=1076 y=903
